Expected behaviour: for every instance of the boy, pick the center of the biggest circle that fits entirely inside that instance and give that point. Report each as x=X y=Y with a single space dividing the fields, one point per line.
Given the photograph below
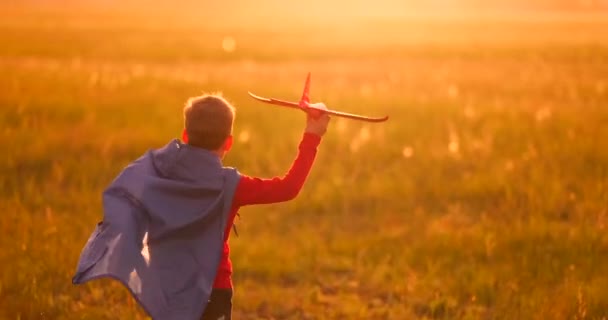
x=168 y=216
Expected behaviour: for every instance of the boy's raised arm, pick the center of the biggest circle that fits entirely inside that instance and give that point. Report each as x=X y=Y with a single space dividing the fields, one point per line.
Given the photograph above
x=253 y=190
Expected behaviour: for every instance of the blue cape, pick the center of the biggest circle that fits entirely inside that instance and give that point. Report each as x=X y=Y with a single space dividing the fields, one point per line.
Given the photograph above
x=163 y=230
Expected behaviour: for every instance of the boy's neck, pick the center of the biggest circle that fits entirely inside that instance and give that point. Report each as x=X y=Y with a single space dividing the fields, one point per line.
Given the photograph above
x=218 y=153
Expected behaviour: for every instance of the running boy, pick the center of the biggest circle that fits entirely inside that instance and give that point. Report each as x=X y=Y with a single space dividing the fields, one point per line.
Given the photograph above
x=249 y=190
x=168 y=216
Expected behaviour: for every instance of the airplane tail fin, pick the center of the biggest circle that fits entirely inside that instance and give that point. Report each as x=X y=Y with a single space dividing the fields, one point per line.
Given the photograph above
x=305 y=100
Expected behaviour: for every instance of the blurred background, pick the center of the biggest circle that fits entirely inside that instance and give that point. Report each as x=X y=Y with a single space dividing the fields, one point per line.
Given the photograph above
x=485 y=196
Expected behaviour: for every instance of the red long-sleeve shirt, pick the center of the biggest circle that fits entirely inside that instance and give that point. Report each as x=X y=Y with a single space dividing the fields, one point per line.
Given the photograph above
x=252 y=190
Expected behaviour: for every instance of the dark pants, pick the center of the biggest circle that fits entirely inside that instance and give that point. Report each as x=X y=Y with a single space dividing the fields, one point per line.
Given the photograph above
x=219 y=306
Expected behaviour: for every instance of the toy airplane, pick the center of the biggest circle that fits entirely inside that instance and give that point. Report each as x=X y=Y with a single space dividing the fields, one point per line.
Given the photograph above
x=305 y=106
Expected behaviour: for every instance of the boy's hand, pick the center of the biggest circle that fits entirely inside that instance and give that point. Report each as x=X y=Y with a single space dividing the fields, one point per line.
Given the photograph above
x=317 y=125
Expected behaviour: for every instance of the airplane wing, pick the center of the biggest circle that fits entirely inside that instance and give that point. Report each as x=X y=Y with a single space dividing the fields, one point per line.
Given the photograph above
x=296 y=105
x=305 y=105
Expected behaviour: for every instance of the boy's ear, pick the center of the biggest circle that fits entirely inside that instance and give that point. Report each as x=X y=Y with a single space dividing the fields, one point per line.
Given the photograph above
x=228 y=143
x=185 y=136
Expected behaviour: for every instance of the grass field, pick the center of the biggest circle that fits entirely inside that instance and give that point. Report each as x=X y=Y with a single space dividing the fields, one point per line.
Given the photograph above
x=485 y=196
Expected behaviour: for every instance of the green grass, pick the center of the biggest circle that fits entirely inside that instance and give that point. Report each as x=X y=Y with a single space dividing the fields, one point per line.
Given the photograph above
x=510 y=223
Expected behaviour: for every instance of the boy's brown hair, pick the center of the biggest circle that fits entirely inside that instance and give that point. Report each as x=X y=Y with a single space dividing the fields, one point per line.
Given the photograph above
x=208 y=121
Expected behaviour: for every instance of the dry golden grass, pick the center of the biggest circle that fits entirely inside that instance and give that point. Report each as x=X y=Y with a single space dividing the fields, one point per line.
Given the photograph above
x=485 y=196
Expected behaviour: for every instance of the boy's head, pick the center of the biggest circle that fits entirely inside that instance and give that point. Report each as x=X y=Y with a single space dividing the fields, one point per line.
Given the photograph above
x=208 y=122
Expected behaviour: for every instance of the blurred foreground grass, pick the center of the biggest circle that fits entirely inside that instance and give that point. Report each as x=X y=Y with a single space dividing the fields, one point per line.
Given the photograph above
x=485 y=196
